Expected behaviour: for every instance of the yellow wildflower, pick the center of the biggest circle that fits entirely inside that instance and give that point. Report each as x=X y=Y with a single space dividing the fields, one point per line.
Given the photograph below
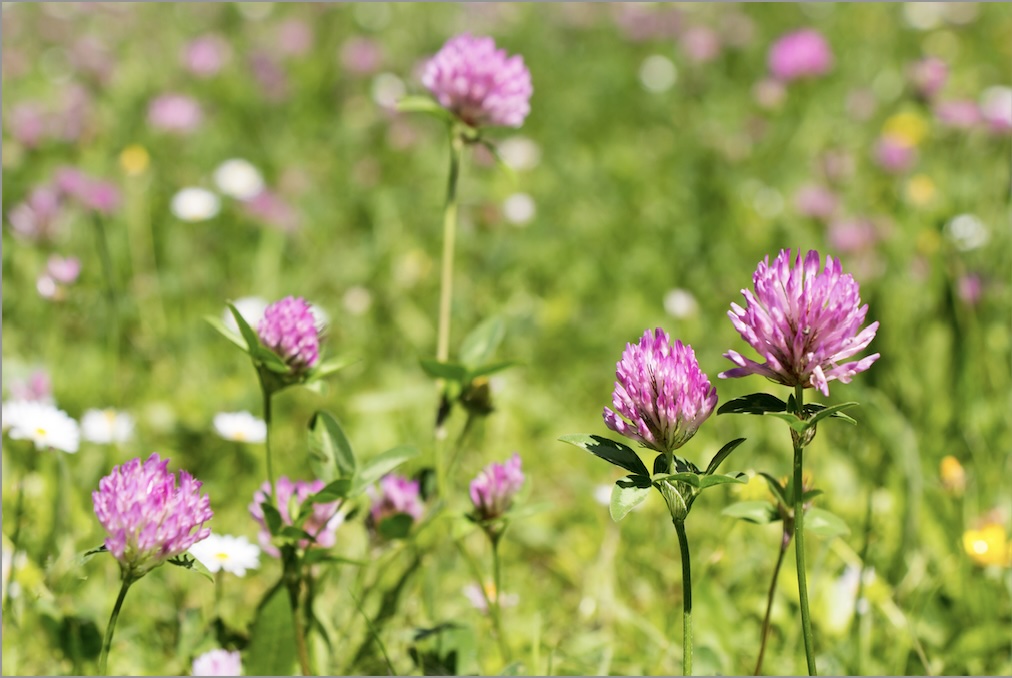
x=134 y=159
x=988 y=545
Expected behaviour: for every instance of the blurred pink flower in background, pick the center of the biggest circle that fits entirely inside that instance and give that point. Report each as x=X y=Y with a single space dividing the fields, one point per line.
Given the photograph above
x=217 y=663
x=269 y=75
x=36 y=387
x=958 y=113
x=815 y=200
x=700 y=44
x=321 y=524
x=851 y=235
x=27 y=123
x=642 y=22
x=176 y=113
x=928 y=76
x=294 y=37
x=837 y=165
x=996 y=108
x=361 y=56
x=969 y=287
x=91 y=56
x=206 y=55
x=893 y=154
x=63 y=269
x=94 y=194
x=270 y=208
x=736 y=29
x=36 y=217
x=800 y=54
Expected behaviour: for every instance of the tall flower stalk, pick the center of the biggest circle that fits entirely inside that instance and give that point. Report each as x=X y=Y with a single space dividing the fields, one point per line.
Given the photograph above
x=475 y=85
x=805 y=323
x=661 y=398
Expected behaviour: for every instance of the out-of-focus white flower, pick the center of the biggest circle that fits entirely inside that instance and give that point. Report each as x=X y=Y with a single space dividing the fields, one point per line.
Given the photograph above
x=241 y=427
x=195 y=204
x=238 y=179
x=386 y=89
x=43 y=424
x=107 y=426
x=996 y=107
x=321 y=317
x=602 y=494
x=680 y=303
x=357 y=300
x=924 y=15
x=519 y=209
x=225 y=552
x=658 y=73
x=967 y=232
x=520 y=153
x=219 y=662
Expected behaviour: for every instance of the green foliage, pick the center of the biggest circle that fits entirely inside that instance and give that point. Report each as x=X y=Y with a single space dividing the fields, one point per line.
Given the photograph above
x=272 y=637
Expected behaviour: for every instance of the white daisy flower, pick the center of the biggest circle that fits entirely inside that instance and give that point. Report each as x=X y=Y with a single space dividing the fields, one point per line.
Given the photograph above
x=239 y=179
x=520 y=153
x=241 y=427
x=680 y=303
x=43 y=424
x=195 y=204
x=228 y=553
x=519 y=209
x=107 y=427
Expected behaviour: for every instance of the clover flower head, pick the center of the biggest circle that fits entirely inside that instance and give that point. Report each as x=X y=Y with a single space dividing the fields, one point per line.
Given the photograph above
x=396 y=494
x=149 y=514
x=804 y=322
x=480 y=84
x=289 y=328
x=661 y=396
x=322 y=523
x=493 y=489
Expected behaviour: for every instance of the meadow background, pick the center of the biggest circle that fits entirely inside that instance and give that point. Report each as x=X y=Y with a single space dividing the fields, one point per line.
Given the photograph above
x=658 y=165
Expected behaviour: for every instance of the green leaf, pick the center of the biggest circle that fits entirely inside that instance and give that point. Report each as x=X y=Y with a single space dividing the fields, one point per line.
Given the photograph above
x=419 y=104
x=692 y=479
x=379 y=466
x=627 y=494
x=609 y=450
x=832 y=411
x=448 y=371
x=480 y=344
x=778 y=490
x=760 y=512
x=216 y=323
x=244 y=329
x=271 y=651
x=271 y=516
x=270 y=359
x=188 y=562
x=824 y=523
x=318 y=555
x=755 y=403
x=329 y=367
x=294 y=533
x=810 y=495
x=799 y=425
x=722 y=455
x=711 y=480
x=491 y=368
x=330 y=453
x=88 y=554
x=396 y=526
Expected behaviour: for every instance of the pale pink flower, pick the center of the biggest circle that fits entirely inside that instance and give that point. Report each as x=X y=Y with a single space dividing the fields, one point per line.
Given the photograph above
x=800 y=54
x=175 y=113
x=322 y=523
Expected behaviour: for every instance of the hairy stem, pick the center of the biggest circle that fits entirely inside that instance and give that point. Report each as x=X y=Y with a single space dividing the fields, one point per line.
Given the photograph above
x=496 y=607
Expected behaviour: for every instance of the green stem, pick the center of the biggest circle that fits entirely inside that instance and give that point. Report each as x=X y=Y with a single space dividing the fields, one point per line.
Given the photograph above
x=300 y=630
x=784 y=543
x=111 y=296
x=799 y=539
x=449 y=235
x=267 y=440
x=683 y=546
x=374 y=633
x=103 y=658
x=490 y=604
x=496 y=608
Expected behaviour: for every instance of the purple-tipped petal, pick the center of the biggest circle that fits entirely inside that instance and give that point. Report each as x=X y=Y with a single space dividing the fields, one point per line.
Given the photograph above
x=493 y=489
x=289 y=328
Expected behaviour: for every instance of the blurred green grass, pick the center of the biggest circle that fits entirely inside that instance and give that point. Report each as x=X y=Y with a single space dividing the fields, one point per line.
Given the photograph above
x=636 y=193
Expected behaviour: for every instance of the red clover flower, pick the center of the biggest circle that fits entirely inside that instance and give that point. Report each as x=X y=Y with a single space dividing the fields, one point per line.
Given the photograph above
x=804 y=322
x=148 y=517
x=662 y=394
x=479 y=83
x=289 y=328
x=493 y=489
